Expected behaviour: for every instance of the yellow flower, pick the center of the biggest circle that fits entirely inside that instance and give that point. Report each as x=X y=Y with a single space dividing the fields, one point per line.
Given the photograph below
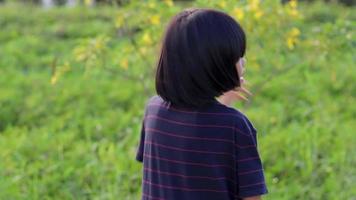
x=258 y=14
x=151 y=5
x=146 y=39
x=155 y=20
x=238 y=13
x=295 y=32
x=88 y=2
x=169 y=2
x=290 y=43
x=292 y=38
x=292 y=8
x=124 y=63
x=222 y=4
x=293 y=3
x=253 y=4
x=292 y=11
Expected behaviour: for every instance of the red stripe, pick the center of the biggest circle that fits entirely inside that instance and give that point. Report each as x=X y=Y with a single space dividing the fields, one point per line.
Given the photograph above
x=198 y=125
x=198 y=138
x=189 y=163
x=243 y=186
x=247 y=159
x=188 y=137
x=185 y=176
x=188 y=124
x=253 y=184
x=184 y=188
x=193 y=112
x=188 y=150
x=249 y=172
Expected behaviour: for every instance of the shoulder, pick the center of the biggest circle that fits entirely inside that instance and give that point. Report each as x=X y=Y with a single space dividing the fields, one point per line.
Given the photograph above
x=236 y=113
x=155 y=99
x=153 y=102
x=152 y=99
x=147 y=103
x=241 y=120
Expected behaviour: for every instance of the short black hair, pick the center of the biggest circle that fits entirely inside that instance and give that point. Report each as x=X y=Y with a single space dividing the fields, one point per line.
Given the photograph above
x=197 y=60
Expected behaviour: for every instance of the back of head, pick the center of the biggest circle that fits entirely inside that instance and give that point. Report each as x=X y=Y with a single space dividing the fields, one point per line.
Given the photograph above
x=198 y=55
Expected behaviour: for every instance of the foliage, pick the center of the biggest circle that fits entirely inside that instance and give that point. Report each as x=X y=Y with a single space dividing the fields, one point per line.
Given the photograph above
x=74 y=82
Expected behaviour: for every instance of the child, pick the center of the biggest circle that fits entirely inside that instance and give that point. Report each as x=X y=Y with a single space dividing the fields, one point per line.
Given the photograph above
x=193 y=145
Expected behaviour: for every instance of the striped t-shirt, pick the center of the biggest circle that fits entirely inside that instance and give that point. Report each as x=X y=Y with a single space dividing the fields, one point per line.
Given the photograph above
x=191 y=154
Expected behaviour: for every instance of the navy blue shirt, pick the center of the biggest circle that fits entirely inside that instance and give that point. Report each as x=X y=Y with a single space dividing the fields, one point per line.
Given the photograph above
x=208 y=153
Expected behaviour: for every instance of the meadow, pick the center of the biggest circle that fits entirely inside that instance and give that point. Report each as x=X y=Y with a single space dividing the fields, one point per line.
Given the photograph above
x=74 y=83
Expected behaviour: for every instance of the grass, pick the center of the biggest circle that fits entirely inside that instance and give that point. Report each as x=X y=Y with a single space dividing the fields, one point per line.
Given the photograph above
x=76 y=139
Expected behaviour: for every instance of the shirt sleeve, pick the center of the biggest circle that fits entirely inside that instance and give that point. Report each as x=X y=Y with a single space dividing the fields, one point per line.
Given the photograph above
x=249 y=170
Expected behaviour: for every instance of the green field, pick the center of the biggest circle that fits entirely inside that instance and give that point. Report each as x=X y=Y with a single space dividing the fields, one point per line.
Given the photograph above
x=74 y=82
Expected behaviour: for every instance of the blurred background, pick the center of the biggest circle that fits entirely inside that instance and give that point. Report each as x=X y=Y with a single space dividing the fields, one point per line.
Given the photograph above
x=75 y=77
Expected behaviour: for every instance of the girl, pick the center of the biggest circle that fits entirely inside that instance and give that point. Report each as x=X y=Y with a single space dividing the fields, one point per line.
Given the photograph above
x=193 y=145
